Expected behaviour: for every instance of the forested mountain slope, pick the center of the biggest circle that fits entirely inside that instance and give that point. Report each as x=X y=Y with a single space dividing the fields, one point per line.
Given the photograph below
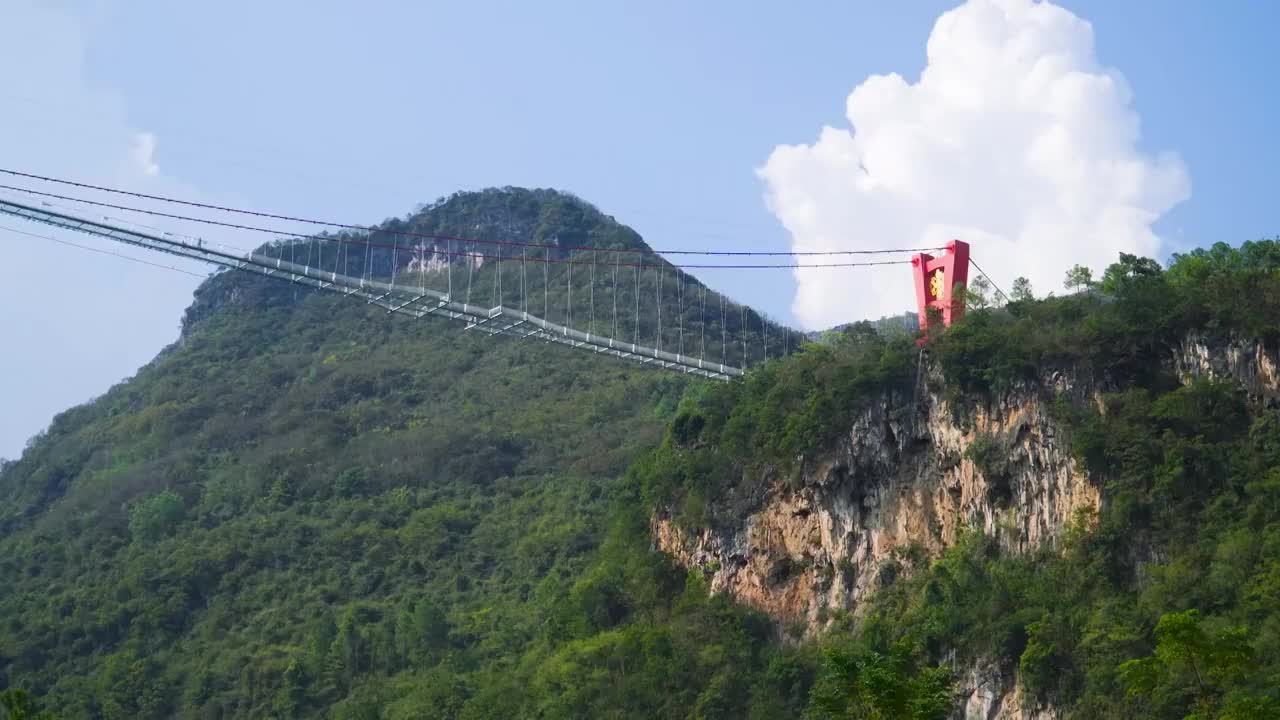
x=306 y=508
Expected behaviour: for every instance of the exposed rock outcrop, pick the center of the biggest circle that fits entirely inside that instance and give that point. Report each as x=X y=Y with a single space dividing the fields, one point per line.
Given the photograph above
x=902 y=479
x=989 y=693
x=1252 y=364
x=905 y=480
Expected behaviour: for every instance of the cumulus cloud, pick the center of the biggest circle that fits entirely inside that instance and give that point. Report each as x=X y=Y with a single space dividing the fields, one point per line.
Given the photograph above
x=1014 y=139
x=144 y=154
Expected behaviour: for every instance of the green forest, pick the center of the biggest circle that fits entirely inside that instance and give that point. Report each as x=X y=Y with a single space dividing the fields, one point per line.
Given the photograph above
x=307 y=508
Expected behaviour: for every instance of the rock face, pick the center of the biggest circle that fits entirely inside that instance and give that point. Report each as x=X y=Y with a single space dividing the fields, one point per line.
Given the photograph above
x=990 y=694
x=1251 y=364
x=906 y=478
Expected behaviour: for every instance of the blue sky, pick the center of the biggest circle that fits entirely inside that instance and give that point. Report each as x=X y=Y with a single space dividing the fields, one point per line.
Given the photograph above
x=659 y=113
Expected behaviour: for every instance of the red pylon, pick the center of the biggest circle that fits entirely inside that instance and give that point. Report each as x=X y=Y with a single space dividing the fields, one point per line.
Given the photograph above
x=941 y=283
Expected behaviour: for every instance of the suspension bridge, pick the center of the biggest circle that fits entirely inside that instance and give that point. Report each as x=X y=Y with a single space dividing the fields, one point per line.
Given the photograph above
x=431 y=275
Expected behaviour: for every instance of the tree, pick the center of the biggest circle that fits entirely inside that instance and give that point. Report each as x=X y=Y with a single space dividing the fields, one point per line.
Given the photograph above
x=862 y=332
x=1128 y=270
x=1022 y=290
x=1188 y=658
x=978 y=295
x=152 y=518
x=1078 y=278
x=879 y=686
x=16 y=704
x=830 y=337
x=421 y=633
x=350 y=483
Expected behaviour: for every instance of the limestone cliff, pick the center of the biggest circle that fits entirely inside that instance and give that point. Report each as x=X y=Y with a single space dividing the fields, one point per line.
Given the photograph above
x=906 y=477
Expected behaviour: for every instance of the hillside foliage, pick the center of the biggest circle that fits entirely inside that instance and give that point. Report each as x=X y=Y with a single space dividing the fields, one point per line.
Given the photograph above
x=1165 y=605
x=308 y=509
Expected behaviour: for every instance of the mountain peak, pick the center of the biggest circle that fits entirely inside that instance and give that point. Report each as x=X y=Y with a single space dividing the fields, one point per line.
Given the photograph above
x=529 y=215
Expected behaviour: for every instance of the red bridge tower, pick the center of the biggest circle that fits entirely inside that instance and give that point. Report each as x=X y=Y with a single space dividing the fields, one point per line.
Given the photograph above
x=941 y=282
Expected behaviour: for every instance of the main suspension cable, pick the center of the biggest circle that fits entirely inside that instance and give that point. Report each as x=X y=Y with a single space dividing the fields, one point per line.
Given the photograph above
x=433 y=236
x=988 y=277
x=122 y=256
x=342 y=241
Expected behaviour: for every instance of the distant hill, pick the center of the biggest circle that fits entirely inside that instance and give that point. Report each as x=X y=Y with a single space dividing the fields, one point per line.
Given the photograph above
x=908 y=322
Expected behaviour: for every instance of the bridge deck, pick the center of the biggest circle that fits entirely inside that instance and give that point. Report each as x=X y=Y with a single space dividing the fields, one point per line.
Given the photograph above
x=400 y=299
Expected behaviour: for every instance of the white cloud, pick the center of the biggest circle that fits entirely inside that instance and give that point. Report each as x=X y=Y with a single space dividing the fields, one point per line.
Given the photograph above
x=144 y=154
x=55 y=119
x=1014 y=139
